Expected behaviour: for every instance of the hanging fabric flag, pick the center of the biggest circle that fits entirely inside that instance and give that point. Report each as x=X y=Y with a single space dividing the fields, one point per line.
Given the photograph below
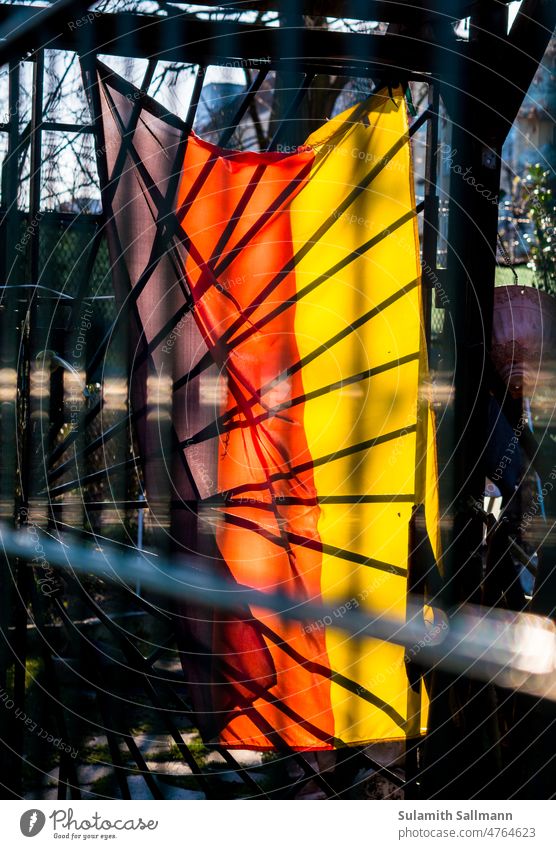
x=274 y=300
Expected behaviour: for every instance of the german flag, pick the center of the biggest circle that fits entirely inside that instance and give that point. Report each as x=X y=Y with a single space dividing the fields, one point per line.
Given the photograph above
x=279 y=297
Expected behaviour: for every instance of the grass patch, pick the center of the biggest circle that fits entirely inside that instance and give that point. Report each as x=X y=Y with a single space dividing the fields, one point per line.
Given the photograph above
x=99 y=753
x=173 y=754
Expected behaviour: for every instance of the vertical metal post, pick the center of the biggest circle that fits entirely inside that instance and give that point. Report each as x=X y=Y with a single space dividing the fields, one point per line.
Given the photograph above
x=462 y=753
x=140 y=529
x=430 y=222
x=10 y=223
x=8 y=401
x=21 y=578
x=412 y=787
x=34 y=412
x=36 y=163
